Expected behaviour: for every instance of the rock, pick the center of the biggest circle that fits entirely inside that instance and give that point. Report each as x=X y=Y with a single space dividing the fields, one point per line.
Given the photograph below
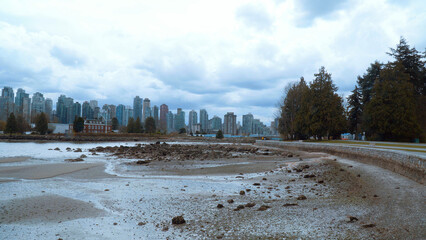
x=375 y=195
x=242 y=192
x=309 y=176
x=250 y=204
x=115 y=224
x=320 y=181
x=158 y=142
x=83 y=156
x=68 y=149
x=140 y=162
x=106 y=190
x=289 y=171
x=57 y=149
x=219 y=206
x=240 y=207
x=74 y=160
x=290 y=204
x=351 y=219
x=256 y=184
x=141 y=223
x=230 y=201
x=368 y=225
x=301 y=197
x=290 y=155
x=78 y=150
x=178 y=220
x=263 y=208
x=264 y=179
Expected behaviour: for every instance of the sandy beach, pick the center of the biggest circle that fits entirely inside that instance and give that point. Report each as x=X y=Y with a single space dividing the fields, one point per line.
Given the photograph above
x=282 y=194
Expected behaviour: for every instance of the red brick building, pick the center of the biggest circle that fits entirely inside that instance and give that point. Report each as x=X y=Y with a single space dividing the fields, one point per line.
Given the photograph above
x=94 y=126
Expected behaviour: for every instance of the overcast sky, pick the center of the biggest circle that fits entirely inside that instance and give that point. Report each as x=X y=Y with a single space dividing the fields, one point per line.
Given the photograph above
x=220 y=55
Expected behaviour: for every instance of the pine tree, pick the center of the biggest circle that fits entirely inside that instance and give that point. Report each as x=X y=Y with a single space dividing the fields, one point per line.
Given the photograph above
x=219 y=134
x=150 y=125
x=355 y=112
x=21 y=124
x=131 y=125
x=78 y=124
x=138 y=126
x=114 y=123
x=11 y=125
x=391 y=111
x=41 y=123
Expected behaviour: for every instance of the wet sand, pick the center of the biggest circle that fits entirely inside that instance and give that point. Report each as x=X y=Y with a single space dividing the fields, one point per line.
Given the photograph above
x=42 y=171
x=81 y=200
x=14 y=159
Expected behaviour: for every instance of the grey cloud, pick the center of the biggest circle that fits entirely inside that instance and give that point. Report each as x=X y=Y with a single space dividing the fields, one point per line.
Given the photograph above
x=312 y=9
x=67 y=57
x=255 y=16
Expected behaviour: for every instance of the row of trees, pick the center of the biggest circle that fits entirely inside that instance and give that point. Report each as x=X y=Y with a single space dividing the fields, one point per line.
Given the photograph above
x=388 y=102
x=313 y=109
x=136 y=126
x=19 y=125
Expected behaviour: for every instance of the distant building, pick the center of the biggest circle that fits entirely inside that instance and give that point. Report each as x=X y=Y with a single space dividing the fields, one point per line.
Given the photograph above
x=76 y=110
x=137 y=108
x=164 y=110
x=23 y=104
x=7 y=105
x=64 y=109
x=193 y=119
x=170 y=122
x=230 y=124
x=94 y=126
x=204 y=120
x=120 y=114
x=93 y=104
x=216 y=124
x=146 y=111
x=48 y=108
x=38 y=104
x=87 y=111
x=154 y=114
x=180 y=119
x=112 y=111
x=247 y=127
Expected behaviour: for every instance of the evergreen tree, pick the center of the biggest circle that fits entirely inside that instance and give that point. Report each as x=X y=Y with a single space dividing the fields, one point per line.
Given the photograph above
x=41 y=123
x=138 y=126
x=114 y=123
x=150 y=125
x=11 y=125
x=219 y=134
x=391 y=111
x=131 y=125
x=78 y=124
x=355 y=112
x=326 y=115
x=413 y=64
x=21 y=124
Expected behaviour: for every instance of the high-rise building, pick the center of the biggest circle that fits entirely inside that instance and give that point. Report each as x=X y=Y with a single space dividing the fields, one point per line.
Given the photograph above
x=215 y=123
x=87 y=111
x=137 y=108
x=154 y=114
x=128 y=113
x=38 y=104
x=204 y=120
x=23 y=104
x=112 y=111
x=146 y=111
x=170 y=122
x=48 y=107
x=164 y=110
x=76 y=109
x=64 y=109
x=96 y=112
x=193 y=119
x=120 y=114
x=179 y=119
x=247 y=124
x=7 y=105
x=93 y=104
x=230 y=124
x=20 y=95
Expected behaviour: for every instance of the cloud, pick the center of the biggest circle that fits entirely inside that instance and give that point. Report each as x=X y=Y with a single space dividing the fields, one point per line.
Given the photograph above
x=255 y=16
x=67 y=57
x=313 y=9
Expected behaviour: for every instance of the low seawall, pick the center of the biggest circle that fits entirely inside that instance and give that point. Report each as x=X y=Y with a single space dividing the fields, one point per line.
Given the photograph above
x=411 y=166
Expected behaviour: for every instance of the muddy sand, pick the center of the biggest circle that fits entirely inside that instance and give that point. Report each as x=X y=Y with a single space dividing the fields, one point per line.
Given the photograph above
x=276 y=194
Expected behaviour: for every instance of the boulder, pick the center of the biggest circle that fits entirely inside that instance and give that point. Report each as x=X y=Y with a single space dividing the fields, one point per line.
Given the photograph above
x=178 y=220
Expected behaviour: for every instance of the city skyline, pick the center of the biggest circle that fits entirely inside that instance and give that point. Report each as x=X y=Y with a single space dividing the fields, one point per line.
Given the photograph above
x=189 y=57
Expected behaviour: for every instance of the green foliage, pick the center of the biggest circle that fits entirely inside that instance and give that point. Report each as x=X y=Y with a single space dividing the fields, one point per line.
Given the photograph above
x=355 y=112
x=150 y=125
x=21 y=125
x=11 y=125
x=219 y=134
x=78 y=124
x=114 y=123
x=138 y=126
x=182 y=131
x=392 y=111
x=41 y=123
x=131 y=125
x=2 y=125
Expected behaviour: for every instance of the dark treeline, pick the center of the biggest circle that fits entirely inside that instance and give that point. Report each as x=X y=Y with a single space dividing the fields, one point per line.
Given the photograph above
x=388 y=102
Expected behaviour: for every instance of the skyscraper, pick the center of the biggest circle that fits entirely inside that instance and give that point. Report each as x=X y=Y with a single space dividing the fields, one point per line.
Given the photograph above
x=23 y=104
x=180 y=119
x=93 y=104
x=170 y=122
x=155 y=116
x=87 y=111
x=76 y=108
x=137 y=108
x=112 y=111
x=146 y=109
x=7 y=105
x=64 y=109
x=164 y=110
x=248 y=124
x=38 y=104
x=230 y=124
x=120 y=114
x=216 y=123
x=204 y=120
x=193 y=119
x=48 y=107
